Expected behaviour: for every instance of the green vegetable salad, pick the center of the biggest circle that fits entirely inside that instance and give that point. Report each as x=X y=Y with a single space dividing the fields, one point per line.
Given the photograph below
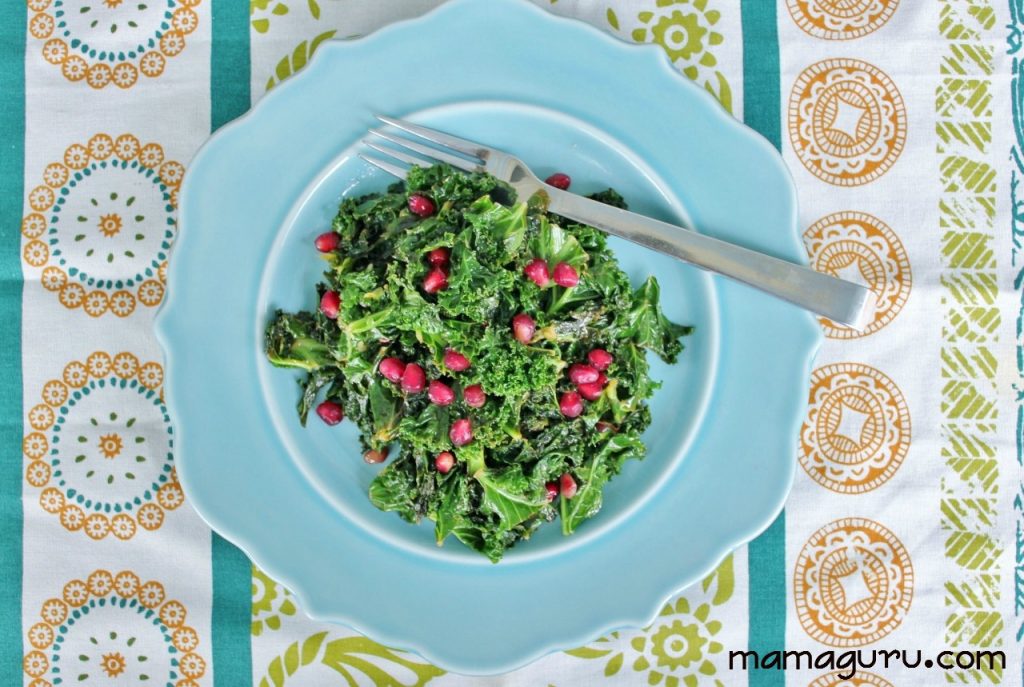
x=496 y=353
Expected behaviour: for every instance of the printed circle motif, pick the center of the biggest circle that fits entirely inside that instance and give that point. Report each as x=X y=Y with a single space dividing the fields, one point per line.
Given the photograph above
x=111 y=41
x=861 y=679
x=103 y=224
x=110 y=629
x=860 y=248
x=103 y=453
x=839 y=20
x=853 y=583
x=857 y=430
x=847 y=121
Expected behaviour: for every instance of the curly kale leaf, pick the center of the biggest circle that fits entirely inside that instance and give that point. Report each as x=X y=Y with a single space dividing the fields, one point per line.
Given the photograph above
x=494 y=495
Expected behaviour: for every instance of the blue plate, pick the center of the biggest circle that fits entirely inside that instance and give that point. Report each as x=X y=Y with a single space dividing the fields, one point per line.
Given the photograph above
x=722 y=443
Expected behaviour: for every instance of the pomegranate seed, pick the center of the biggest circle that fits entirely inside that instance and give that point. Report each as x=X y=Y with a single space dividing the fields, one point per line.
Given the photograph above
x=455 y=361
x=566 y=275
x=438 y=257
x=461 y=432
x=444 y=462
x=602 y=379
x=414 y=379
x=440 y=393
x=590 y=391
x=602 y=426
x=327 y=241
x=552 y=490
x=392 y=369
x=537 y=272
x=568 y=485
x=582 y=374
x=421 y=205
x=435 y=281
x=330 y=412
x=523 y=328
x=571 y=404
x=329 y=304
x=373 y=456
x=600 y=359
x=559 y=180
x=474 y=396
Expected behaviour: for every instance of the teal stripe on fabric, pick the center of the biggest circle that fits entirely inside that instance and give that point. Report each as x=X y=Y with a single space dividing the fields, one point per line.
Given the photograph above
x=761 y=89
x=766 y=563
x=232 y=615
x=13 y=20
x=232 y=571
x=767 y=553
x=229 y=62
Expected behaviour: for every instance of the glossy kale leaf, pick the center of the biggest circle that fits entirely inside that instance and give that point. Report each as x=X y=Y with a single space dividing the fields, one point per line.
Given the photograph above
x=497 y=492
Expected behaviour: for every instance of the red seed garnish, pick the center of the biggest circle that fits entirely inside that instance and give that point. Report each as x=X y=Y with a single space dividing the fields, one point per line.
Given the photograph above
x=552 y=490
x=327 y=241
x=602 y=379
x=591 y=391
x=461 y=432
x=582 y=374
x=566 y=275
x=440 y=393
x=414 y=379
x=537 y=272
x=329 y=304
x=523 y=328
x=455 y=361
x=438 y=257
x=392 y=369
x=330 y=412
x=435 y=281
x=421 y=205
x=444 y=462
x=600 y=359
x=474 y=396
x=559 y=180
x=568 y=485
x=374 y=456
x=571 y=404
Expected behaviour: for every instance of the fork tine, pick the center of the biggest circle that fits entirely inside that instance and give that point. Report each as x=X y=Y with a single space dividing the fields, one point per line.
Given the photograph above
x=391 y=169
x=397 y=154
x=439 y=137
x=426 y=151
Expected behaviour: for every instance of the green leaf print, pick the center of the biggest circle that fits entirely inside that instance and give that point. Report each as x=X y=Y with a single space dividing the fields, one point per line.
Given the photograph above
x=724 y=581
x=299 y=57
x=261 y=23
x=352 y=658
x=680 y=647
x=689 y=33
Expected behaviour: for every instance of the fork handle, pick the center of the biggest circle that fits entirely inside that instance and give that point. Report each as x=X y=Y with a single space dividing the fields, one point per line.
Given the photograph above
x=840 y=301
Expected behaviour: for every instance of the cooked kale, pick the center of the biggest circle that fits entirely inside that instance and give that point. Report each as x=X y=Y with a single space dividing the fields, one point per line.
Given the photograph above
x=525 y=445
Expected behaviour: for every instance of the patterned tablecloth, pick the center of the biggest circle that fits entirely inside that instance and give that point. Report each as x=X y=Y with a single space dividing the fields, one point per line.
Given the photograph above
x=901 y=122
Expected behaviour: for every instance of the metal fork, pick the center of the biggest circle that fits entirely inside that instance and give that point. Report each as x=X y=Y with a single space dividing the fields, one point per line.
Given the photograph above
x=840 y=301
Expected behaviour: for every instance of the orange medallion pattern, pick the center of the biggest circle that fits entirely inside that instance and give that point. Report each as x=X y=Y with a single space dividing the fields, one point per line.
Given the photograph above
x=863 y=249
x=104 y=42
x=857 y=430
x=853 y=583
x=109 y=626
x=102 y=223
x=839 y=20
x=847 y=121
x=99 y=449
x=861 y=679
